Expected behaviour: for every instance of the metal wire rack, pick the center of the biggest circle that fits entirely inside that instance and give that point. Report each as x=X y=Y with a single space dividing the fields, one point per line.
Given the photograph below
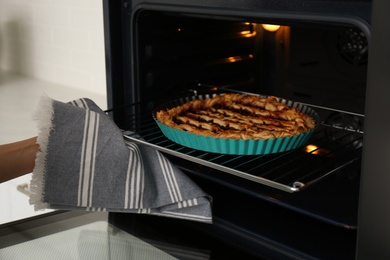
x=331 y=148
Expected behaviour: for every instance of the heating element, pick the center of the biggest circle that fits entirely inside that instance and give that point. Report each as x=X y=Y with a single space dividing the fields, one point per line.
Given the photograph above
x=335 y=144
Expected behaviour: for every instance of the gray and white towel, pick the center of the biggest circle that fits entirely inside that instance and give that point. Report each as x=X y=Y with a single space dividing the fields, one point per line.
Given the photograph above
x=85 y=164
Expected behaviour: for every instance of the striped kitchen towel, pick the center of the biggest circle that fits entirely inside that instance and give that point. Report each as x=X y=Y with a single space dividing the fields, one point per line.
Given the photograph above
x=84 y=164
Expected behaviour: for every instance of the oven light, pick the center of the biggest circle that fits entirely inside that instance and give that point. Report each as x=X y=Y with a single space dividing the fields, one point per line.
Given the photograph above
x=234 y=59
x=314 y=149
x=271 y=27
x=249 y=30
x=311 y=148
x=248 y=33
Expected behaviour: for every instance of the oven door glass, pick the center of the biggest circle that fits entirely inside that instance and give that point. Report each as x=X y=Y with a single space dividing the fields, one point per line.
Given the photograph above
x=95 y=240
x=81 y=235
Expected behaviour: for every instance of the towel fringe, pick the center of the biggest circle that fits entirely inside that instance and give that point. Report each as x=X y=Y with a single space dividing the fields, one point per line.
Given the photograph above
x=43 y=116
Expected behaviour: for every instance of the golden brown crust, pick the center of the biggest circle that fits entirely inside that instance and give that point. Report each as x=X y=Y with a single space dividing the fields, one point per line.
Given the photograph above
x=237 y=116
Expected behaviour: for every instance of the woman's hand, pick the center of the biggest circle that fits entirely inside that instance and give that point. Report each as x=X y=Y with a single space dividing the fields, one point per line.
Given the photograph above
x=17 y=159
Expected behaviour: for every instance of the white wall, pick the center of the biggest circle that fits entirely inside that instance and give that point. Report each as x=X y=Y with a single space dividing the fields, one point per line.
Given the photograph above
x=54 y=41
x=58 y=47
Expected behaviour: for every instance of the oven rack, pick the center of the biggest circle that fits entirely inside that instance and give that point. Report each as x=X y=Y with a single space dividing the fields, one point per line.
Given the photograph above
x=330 y=149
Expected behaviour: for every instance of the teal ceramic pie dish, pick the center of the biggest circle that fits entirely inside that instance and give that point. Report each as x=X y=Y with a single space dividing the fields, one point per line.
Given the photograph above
x=232 y=146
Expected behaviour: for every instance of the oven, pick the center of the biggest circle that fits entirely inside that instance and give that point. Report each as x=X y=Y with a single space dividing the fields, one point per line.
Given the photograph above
x=327 y=199
x=306 y=203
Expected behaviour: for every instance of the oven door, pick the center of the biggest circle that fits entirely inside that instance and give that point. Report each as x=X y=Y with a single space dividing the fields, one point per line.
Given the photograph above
x=80 y=235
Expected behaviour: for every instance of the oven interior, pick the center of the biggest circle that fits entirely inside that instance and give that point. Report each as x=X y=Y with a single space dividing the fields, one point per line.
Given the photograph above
x=280 y=199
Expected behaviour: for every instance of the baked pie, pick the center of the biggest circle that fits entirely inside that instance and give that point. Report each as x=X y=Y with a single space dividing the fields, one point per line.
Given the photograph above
x=238 y=117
